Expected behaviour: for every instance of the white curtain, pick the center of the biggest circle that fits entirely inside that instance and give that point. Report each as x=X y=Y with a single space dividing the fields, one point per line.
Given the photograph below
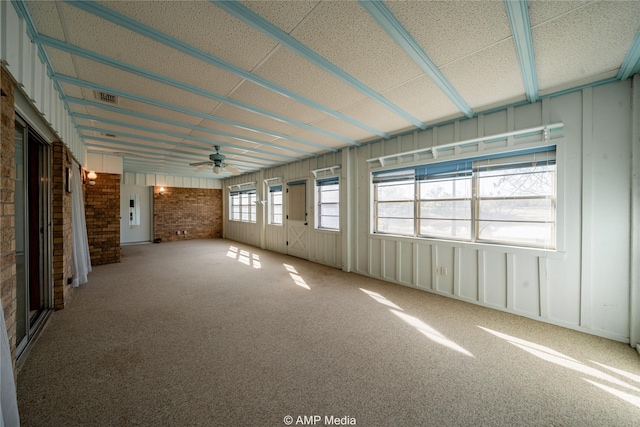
x=81 y=257
x=8 y=403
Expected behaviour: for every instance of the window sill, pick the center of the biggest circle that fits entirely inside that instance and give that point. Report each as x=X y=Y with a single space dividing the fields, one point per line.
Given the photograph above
x=492 y=247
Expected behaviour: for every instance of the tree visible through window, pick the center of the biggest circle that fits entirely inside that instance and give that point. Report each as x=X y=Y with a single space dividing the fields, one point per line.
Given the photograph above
x=507 y=199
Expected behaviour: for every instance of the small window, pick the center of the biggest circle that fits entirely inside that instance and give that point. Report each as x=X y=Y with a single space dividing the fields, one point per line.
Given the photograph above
x=328 y=203
x=242 y=205
x=275 y=204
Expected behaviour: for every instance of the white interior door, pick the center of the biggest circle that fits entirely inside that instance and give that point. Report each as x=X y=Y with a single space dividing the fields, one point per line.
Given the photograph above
x=135 y=214
x=297 y=228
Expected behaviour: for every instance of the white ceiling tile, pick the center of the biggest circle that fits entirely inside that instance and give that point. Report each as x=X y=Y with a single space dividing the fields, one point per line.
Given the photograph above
x=222 y=127
x=587 y=41
x=370 y=111
x=543 y=10
x=203 y=25
x=71 y=90
x=62 y=62
x=98 y=35
x=291 y=71
x=423 y=99
x=265 y=99
x=490 y=76
x=345 y=34
x=284 y=14
x=126 y=118
x=46 y=18
x=132 y=83
x=450 y=30
x=243 y=116
x=334 y=125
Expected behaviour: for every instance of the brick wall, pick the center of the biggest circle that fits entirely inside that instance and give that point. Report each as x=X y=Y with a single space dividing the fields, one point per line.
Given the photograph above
x=62 y=231
x=198 y=211
x=7 y=211
x=102 y=210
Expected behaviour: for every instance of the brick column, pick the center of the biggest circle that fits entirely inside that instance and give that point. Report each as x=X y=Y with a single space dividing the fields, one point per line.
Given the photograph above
x=102 y=210
x=62 y=232
x=7 y=208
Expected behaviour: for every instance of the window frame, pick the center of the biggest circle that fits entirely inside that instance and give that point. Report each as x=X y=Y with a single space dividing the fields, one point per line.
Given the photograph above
x=272 y=191
x=319 y=184
x=249 y=202
x=473 y=168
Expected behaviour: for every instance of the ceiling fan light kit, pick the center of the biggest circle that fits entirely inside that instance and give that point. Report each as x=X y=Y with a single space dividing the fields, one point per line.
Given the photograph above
x=217 y=160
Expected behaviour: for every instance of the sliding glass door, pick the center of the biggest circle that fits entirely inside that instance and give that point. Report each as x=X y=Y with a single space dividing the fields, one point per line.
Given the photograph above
x=32 y=231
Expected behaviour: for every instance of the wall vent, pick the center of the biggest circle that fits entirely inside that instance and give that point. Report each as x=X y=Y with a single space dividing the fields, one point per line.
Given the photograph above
x=106 y=97
x=110 y=135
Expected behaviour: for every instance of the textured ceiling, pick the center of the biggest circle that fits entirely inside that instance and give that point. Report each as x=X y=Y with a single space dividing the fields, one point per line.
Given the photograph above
x=271 y=82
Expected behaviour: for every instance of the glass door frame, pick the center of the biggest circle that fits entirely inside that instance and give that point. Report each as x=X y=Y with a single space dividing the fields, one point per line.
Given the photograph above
x=45 y=242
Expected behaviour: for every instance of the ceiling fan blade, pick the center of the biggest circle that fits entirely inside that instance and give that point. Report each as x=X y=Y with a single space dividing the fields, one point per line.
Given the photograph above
x=232 y=169
x=201 y=168
x=200 y=163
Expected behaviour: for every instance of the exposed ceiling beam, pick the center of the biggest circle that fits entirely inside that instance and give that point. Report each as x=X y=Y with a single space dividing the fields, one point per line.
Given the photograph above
x=210 y=148
x=387 y=20
x=521 y=29
x=132 y=113
x=259 y=23
x=176 y=134
x=75 y=50
x=133 y=25
x=83 y=83
x=631 y=63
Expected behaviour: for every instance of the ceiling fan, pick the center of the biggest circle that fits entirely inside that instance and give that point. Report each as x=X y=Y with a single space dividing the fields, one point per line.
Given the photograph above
x=217 y=160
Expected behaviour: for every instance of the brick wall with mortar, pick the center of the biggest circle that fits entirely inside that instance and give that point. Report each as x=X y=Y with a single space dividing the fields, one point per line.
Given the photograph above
x=102 y=211
x=62 y=231
x=198 y=211
x=7 y=208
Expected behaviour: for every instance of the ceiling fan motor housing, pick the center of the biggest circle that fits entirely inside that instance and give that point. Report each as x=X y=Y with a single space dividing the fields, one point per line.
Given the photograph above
x=216 y=159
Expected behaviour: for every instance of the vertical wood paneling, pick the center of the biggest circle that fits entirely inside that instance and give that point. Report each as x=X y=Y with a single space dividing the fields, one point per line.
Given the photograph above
x=526 y=285
x=587 y=207
x=424 y=265
x=468 y=274
x=543 y=278
x=495 y=278
x=390 y=261
x=405 y=264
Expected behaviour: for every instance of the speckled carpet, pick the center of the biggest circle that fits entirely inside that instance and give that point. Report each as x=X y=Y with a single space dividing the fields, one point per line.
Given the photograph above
x=216 y=333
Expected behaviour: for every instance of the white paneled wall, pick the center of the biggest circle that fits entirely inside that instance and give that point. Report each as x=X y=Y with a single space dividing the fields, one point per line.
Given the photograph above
x=150 y=180
x=584 y=285
x=22 y=59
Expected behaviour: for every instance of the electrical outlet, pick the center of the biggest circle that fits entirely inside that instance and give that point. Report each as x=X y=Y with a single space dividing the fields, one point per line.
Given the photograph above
x=442 y=271
x=178 y=232
x=184 y=232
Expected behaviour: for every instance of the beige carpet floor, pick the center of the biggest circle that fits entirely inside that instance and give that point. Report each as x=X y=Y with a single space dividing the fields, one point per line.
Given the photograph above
x=216 y=333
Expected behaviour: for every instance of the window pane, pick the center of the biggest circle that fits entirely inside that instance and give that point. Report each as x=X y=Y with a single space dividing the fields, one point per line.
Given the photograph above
x=332 y=222
x=395 y=226
x=525 y=181
x=329 y=196
x=396 y=191
x=517 y=210
x=455 y=209
x=329 y=209
x=395 y=209
x=277 y=219
x=447 y=228
x=446 y=189
x=513 y=232
x=277 y=209
x=276 y=198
